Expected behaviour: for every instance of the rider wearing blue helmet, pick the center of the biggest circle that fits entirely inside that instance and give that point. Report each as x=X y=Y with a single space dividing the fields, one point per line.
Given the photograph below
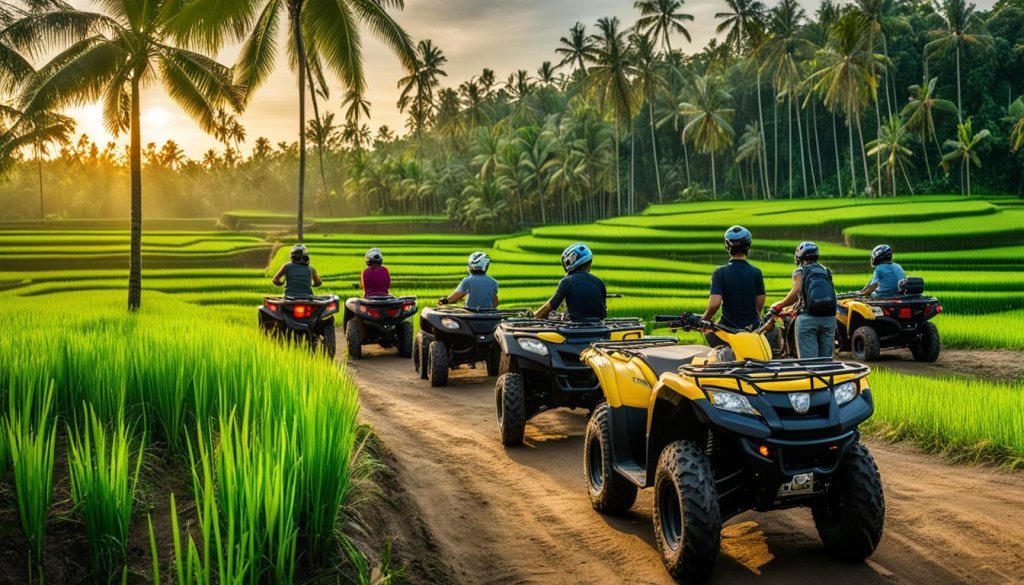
x=584 y=294
x=737 y=287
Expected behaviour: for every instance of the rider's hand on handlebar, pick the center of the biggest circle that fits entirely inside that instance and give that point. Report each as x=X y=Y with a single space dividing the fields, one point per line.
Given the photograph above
x=442 y=301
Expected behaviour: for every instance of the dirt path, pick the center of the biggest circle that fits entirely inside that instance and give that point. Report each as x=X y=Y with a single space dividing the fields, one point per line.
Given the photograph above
x=521 y=515
x=992 y=364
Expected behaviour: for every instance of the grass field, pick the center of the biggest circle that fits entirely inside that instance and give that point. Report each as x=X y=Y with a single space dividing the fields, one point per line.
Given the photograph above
x=107 y=394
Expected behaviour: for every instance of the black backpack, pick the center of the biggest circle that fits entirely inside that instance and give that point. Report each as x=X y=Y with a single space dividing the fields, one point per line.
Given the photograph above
x=819 y=295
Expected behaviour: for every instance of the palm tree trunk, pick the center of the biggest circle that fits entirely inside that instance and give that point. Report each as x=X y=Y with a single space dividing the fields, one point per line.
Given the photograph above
x=888 y=99
x=135 y=162
x=618 y=170
x=296 y=21
x=540 y=196
x=927 y=164
x=632 y=170
x=968 y=164
x=835 y=145
x=39 y=172
x=764 y=144
x=739 y=173
x=863 y=153
x=654 y=151
x=789 y=155
x=810 y=153
x=686 y=159
x=959 y=104
x=853 y=172
x=817 y=139
x=714 y=185
x=878 y=155
x=775 y=147
x=803 y=158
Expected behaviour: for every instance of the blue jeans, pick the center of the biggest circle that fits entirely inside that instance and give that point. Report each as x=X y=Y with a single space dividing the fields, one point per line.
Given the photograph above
x=815 y=336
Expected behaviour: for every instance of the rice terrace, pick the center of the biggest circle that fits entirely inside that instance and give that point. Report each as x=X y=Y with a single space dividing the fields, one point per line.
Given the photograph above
x=709 y=291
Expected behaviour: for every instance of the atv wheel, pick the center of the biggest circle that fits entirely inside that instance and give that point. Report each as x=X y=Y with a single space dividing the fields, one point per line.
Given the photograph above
x=438 y=364
x=609 y=491
x=421 y=354
x=504 y=363
x=687 y=521
x=328 y=343
x=850 y=519
x=929 y=346
x=864 y=345
x=403 y=340
x=510 y=398
x=494 y=360
x=354 y=339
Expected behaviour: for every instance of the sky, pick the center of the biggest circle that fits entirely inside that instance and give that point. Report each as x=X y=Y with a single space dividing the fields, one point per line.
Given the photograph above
x=504 y=35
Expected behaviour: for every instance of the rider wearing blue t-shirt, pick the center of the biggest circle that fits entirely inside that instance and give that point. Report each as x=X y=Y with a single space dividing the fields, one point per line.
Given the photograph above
x=886 y=280
x=479 y=290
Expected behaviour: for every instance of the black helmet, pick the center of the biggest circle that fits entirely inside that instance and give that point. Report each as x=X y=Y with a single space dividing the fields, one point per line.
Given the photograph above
x=299 y=254
x=738 y=239
x=806 y=252
x=881 y=253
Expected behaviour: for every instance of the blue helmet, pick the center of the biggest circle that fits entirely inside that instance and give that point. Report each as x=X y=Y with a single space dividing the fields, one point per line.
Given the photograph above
x=881 y=253
x=738 y=239
x=575 y=256
x=806 y=252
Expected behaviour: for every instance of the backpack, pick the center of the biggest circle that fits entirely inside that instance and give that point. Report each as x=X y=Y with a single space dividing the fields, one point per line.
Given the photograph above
x=819 y=295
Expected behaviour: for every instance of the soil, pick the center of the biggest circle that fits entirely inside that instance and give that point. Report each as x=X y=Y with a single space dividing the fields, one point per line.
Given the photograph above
x=521 y=515
x=1001 y=365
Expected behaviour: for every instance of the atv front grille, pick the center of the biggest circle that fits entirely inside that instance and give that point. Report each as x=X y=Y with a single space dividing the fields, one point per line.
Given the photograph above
x=802 y=459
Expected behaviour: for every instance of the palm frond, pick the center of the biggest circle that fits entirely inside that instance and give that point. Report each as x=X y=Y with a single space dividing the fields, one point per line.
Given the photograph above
x=38 y=34
x=208 y=76
x=336 y=32
x=382 y=26
x=255 y=61
x=189 y=87
x=78 y=75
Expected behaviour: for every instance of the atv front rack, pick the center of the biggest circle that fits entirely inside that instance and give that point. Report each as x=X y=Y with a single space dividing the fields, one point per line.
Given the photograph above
x=756 y=372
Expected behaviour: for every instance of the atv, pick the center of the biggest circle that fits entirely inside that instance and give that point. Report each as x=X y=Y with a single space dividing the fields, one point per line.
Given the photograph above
x=383 y=321
x=453 y=336
x=540 y=367
x=309 y=319
x=866 y=325
x=720 y=431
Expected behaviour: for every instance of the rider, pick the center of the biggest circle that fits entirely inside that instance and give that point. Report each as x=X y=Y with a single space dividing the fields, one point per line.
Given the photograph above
x=737 y=288
x=812 y=287
x=886 y=280
x=297 y=276
x=376 y=280
x=481 y=290
x=584 y=294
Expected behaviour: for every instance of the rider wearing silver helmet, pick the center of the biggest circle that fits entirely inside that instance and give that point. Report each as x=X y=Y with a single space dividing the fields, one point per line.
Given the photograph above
x=583 y=293
x=737 y=288
x=813 y=288
x=479 y=289
x=297 y=276
x=376 y=279
x=885 y=282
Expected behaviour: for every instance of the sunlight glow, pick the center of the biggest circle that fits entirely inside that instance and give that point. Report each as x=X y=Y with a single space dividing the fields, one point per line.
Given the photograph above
x=155 y=120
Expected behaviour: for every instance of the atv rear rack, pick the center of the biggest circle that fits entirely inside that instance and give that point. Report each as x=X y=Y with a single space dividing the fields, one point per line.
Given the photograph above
x=614 y=323
x=633 y=347
x=756 y=372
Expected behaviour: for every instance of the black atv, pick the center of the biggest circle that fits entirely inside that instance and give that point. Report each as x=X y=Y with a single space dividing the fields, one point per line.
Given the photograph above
x=310 y=320
x=866 y=325
x=540 y=367
x=453 y=336
x=383 y=321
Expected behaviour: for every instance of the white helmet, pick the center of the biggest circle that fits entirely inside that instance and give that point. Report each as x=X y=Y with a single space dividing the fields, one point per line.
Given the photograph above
x=478 y=262
x=374 y=256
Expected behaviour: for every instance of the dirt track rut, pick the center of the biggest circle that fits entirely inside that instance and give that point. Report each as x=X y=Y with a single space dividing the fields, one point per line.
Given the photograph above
x=521 y=515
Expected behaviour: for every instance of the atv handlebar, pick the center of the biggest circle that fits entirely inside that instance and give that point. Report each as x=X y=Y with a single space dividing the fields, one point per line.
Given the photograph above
x=613 y=296
x=690 y=322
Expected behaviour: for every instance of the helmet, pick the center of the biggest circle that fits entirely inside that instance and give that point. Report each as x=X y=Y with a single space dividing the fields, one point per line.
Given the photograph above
x=806 y=252
x=299 y=254
x=374 y=257
x=737 y=239
x=881 y=253
x=478 y=262
x=575 y=256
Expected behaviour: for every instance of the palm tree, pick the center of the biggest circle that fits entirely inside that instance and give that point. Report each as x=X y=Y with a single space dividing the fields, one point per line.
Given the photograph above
x=38 y=131
x=109 y=56
x=652 y=84
x=964 y=149
x=751 y=150
x=920 y=115
x=961 y=27
x=228 y=130
x=418 y=87
x=741 y=24
x=322 y=35
x=576 y=49
x=709 y=124
x=546 y=74
x=891 y=147
x=1015 y=115
x=356 y=106
x=610 y=80
x=662 y=18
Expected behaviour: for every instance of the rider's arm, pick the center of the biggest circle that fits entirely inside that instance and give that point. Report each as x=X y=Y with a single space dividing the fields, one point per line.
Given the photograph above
x=316 y=278
x=869 y=288
x=543 y=311
x=278 y=278
x=495 y=301
x=555 y=302
x=455 y=297
x=714 y=303
x=759 y=303
x=794 y=293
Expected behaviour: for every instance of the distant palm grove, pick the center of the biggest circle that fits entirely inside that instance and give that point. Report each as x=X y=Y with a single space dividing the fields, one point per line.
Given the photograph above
x=873 y=97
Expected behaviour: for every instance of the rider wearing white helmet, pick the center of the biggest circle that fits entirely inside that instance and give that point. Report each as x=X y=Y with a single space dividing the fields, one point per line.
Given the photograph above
x=584 y=294
x=376 y=279
x=297 y=276
x=479 y=289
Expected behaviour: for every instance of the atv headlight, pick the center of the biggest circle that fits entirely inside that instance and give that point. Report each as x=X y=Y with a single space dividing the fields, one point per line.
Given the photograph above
x=877 y=311
x=449 y=323
x=731 y=401
x=845 y=392
x=533 y=345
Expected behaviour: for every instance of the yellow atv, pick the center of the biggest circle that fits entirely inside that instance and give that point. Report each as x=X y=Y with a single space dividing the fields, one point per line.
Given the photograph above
x=865 y=325
x=720 y=431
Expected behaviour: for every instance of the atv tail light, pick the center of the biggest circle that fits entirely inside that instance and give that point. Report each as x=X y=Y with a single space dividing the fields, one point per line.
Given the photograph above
x=905 y=313
x=373 y=313
x=332 y=307
x=938 y=309
x=764 y=451
x=393 y=312
x=302 y=311
x=273 y=308
x=408 y=307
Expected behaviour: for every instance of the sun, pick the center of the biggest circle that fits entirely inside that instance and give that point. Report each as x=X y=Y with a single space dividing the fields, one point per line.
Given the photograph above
x=156 y=119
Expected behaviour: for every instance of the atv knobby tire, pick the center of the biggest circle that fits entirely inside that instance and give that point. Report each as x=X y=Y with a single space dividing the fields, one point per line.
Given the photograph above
x=864 y=344
x=610 y=492
x=928 y=347
x=851 y=518
x=329 y=343
x=510 y=399
x=421 y=354
x=354 y=338
x=494 y=360
x=403 y=341
x=687 y=520
x=438 y=364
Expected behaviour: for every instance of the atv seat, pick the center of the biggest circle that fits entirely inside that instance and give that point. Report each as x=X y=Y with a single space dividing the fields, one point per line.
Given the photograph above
x=668 y=358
